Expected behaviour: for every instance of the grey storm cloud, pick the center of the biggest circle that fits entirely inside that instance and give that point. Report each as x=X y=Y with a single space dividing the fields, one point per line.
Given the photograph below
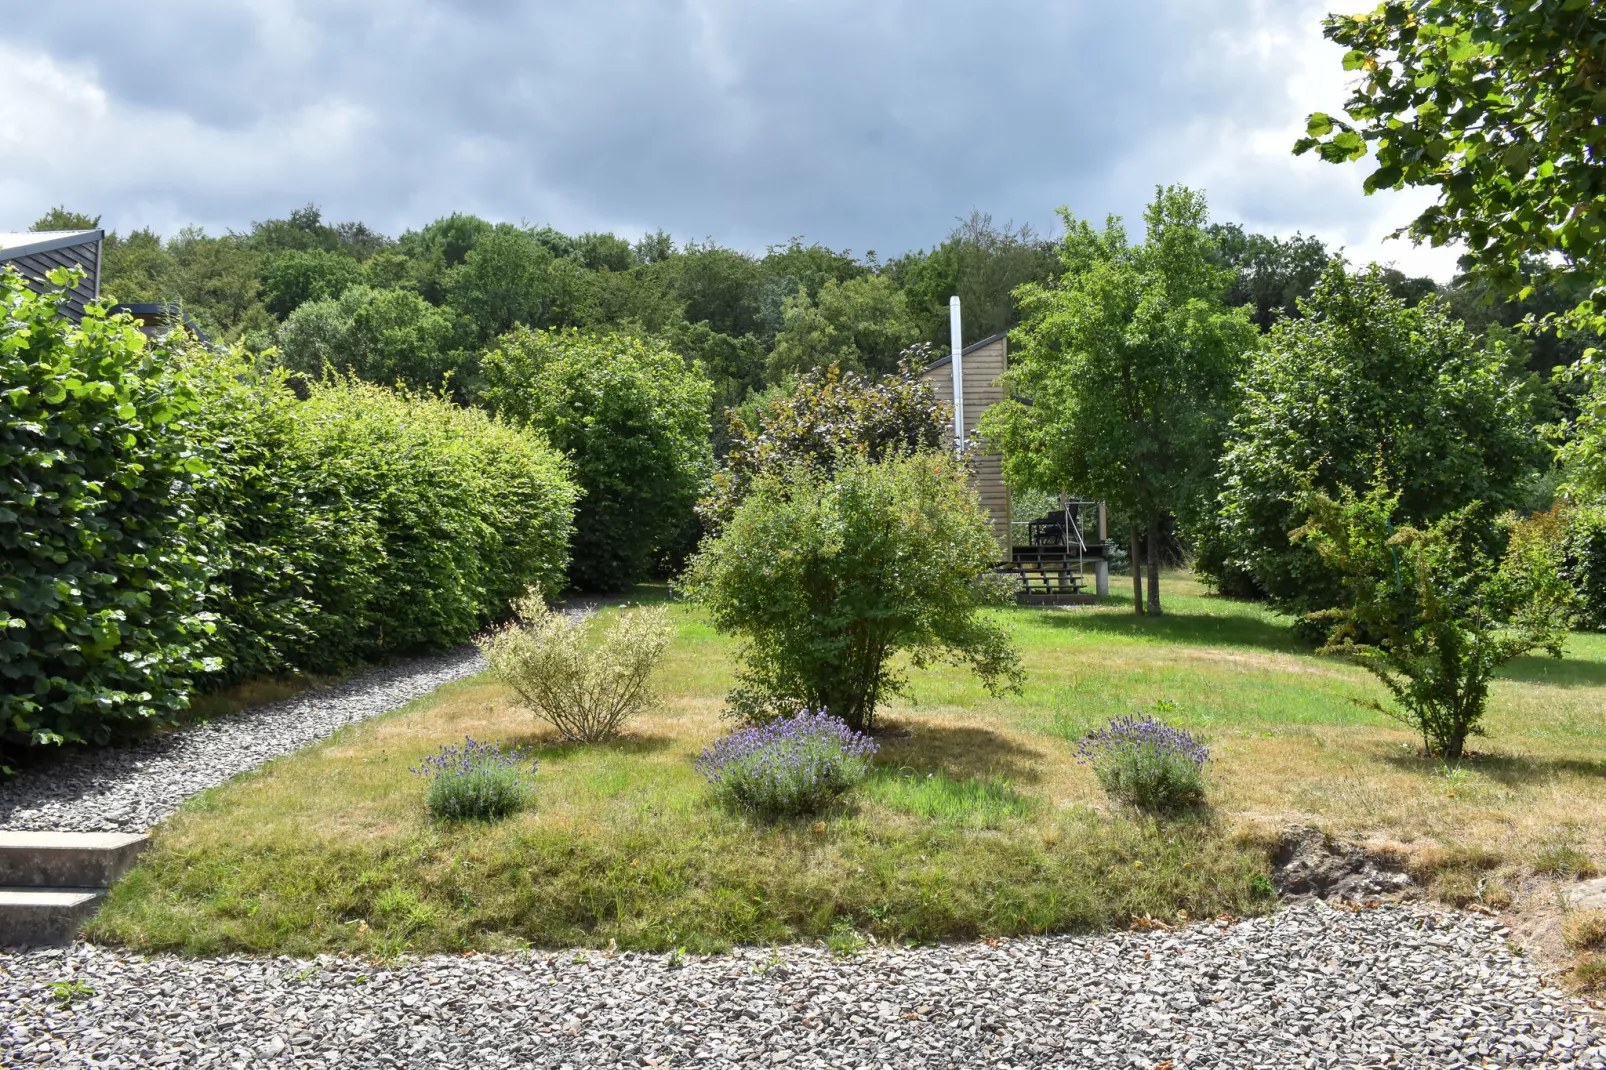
x=860 y=124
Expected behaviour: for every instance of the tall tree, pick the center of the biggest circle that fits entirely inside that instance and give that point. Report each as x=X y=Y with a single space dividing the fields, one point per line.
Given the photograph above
x=1123 y=369
x=1500 y=105
x=1362 y=385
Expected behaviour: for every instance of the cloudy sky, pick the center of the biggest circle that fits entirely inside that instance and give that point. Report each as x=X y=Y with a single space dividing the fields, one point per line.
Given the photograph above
x=866 y=124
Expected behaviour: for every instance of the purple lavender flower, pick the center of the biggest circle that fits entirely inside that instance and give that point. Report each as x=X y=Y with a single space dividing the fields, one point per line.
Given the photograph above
x=790 y=766
x=1146 y=762
x=478 y=781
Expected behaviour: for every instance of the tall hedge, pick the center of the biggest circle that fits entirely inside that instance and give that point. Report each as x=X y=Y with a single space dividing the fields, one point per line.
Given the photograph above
x=466 y=512
x=174 y=517
x=105 y=563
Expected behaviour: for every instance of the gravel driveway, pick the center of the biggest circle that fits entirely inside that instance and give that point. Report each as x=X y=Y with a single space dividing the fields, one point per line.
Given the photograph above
x=1312 y=986
x=129 y=789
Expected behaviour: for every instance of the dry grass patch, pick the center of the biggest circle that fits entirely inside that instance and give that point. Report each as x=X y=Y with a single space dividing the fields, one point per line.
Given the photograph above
x=977 y=820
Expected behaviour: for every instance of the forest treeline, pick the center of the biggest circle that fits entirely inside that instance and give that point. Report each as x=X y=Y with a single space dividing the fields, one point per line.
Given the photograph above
x=425 y=307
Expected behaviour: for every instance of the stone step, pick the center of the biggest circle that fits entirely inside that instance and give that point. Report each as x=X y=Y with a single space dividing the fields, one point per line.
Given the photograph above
x=44 y=917
x=67 y=859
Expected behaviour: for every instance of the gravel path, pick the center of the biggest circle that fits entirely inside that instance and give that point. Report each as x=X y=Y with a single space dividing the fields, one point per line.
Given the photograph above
x=1312 y=986
x=129 y=789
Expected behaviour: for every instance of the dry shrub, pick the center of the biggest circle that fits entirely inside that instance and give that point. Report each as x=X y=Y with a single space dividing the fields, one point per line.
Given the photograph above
x=1585 y=931
x=584 y=676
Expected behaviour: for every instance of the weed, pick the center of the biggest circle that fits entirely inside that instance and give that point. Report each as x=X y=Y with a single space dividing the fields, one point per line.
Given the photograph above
x=69 y=992
x=844 y=940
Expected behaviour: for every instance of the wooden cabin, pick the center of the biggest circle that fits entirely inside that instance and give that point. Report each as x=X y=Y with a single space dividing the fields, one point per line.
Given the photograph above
x=1052 y=557
x=34 y=253
x=982 y=364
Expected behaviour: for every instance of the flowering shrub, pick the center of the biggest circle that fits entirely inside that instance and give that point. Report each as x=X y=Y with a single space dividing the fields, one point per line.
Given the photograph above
x=791 y=766
x=586 y=685
x=1146 y=762
x=477 y=781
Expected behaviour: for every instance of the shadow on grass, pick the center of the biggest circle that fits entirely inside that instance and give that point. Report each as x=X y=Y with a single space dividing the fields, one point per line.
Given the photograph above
x=959 y=752
x=1570 y=671
x=1503 y=769
x=1199 y=629
x=547 y=747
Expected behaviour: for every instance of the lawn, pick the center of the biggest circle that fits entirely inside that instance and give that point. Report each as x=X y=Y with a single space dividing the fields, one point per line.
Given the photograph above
x=977 y=821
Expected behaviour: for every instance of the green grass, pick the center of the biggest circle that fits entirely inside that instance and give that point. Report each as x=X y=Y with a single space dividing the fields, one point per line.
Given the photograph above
x=976 y=821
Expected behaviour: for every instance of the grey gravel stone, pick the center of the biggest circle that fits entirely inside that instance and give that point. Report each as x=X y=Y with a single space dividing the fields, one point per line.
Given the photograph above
x=129 y=789
x=1312 y=986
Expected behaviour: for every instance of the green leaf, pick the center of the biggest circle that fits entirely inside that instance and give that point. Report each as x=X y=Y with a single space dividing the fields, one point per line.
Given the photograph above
x=1320 y=124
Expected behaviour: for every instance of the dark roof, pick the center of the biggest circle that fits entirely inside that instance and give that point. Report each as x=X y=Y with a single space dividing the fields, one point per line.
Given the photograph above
x=22 y=243
x=171 y=310
x=971 y=348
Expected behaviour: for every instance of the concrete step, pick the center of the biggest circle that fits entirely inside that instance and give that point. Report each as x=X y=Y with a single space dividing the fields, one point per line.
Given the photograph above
x=44 y=917
x=67 y=859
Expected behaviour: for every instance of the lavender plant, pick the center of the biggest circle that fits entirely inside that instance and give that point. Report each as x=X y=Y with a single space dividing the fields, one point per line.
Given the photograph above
x=477 y=781
x=795 y=765
x=1146 y=762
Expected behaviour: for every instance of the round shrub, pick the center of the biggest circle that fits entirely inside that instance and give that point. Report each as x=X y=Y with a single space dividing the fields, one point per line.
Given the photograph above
x=1146 y=762
x=791 y=766
x=633 y=417
x=585 y=680
x=105 y=561
x=477 y=781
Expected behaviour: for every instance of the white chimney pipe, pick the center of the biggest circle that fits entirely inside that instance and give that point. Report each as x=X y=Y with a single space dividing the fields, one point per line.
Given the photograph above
x=957 y=345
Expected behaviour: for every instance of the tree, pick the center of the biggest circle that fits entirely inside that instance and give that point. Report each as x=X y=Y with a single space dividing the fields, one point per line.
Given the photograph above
x=826 y=418
x=981 y=262
x=633 y=418
x=1498 y=105
x=59 y=218
x=1123 y=371
x=382 y=336
x=827 y=577
x=291 y=279
x=502 y=283
x=1431 y=612
x=1362 y=382
x=1271 y=274
x=861 y=324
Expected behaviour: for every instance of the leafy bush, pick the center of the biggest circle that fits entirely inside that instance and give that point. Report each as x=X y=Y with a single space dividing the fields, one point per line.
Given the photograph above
x=1362 y=380
x=477 y=781
x=1144 y=761
x=791 y=766
x=1584 y=565
x=585 y=685
x=105 y=563
x=633 y=418
x=826 y=577
x=427 y=474
x=1432 y=612
x=826 y=416
x=383 y=336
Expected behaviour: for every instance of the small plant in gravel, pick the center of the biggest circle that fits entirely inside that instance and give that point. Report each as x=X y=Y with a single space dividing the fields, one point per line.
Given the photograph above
x=792 y=766
x=477 y=781
x=1141 y=760
x=584 y=678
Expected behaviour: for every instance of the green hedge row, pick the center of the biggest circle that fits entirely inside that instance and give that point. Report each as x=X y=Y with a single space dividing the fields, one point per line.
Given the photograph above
x=171 y=517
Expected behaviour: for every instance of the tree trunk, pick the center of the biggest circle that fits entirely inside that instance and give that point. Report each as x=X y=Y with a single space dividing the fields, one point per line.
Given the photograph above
x=1154 y=563
x=1137 y=573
